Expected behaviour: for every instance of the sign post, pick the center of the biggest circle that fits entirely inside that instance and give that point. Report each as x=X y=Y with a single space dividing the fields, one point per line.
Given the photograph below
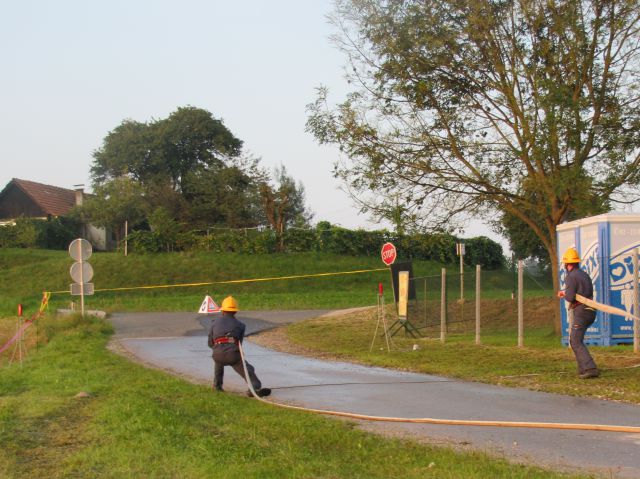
x=81 y=272
x=389 y=255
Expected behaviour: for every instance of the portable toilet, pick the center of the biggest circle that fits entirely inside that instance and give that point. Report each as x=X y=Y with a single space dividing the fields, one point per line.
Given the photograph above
x=605 y=244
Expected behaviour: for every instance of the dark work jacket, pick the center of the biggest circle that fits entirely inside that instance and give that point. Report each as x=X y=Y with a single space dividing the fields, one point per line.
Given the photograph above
x=577 y=282
x=226 y=325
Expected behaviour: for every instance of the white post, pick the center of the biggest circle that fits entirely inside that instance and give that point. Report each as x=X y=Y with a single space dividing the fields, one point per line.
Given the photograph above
x=636 y=301
x=126 y=233
x=520 y=305
x=426 y=319
x=443 y=306
x=81 y=278
x=462 y=275
x=478 y=304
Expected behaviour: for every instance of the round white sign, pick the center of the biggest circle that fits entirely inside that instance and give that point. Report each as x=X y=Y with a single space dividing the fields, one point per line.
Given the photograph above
x=81 y=272
x=80 y=249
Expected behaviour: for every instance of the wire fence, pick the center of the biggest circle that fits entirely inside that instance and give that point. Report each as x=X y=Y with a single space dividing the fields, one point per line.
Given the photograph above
x=449 y=303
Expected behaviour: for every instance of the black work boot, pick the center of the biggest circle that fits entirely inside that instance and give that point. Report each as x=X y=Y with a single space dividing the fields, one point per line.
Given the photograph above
x=263 y=392
x=589 y=373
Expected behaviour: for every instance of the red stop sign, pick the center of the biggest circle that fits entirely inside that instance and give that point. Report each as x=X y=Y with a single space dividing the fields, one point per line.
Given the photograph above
x=388 y=254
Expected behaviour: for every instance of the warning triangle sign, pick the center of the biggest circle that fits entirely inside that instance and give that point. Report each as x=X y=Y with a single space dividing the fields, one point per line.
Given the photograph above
x=208 y=306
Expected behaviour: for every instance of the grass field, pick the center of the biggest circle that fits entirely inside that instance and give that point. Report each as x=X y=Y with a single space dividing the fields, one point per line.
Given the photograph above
x=142 y=423
x=137 y=422
x=26 y=273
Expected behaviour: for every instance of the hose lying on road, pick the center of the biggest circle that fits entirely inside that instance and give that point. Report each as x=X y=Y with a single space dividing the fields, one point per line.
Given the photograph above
x=446 y=422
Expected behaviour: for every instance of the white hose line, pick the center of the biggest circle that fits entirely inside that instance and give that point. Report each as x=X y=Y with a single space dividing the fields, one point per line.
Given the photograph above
x=443 y=422
x=605 y=307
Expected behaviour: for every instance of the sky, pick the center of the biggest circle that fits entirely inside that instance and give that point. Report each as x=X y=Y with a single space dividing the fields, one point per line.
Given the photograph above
x=74 y=70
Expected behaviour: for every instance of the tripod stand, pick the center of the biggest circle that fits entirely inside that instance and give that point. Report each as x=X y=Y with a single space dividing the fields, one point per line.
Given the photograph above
x=382 y=318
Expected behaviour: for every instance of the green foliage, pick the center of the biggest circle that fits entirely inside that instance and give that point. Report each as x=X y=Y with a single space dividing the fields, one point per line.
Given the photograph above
x=283 y=204
x=325 y=238
x=26 y=233
x=522 y=108
x=190 y=139
x=114 y=202
x=483 y=251
x=164 y=228
x=144 y=242
x=192 y=167
x=54 y=233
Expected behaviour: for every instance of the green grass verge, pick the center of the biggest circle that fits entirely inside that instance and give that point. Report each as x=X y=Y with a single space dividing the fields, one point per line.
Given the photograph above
x=142 y=423
x=26 y=273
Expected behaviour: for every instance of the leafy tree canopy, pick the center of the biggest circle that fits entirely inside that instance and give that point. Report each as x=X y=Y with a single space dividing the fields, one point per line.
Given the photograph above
x=190 y=168
x=189 y=140
x=283 y=203
x=528 y=108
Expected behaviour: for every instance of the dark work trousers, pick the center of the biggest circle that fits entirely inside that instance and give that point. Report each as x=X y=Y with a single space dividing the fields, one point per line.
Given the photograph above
x=229 y=355
x=582 y=318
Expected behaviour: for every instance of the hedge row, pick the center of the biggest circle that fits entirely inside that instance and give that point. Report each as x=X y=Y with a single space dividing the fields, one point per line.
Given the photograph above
x=55 y=233
x=437 y=247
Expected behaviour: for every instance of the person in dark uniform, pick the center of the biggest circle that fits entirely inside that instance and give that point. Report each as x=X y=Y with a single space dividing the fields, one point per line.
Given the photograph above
x=225 y=334
x=578 y=282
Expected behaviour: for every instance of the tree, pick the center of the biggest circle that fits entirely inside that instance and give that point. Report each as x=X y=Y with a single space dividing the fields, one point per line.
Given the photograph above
x=114 y=202
x=176 y=160
x=526 y=108
x=168 y=150
x=227 y=196
x=283 y=204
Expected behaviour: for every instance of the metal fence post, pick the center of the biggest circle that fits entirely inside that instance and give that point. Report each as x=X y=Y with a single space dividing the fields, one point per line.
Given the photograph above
x=478 y=304
x=443 y=306
x=636 y=301
x=520 y=305
x=426 y=319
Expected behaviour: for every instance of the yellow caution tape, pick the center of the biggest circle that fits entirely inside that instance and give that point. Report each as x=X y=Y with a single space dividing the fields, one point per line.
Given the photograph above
x=233 y=281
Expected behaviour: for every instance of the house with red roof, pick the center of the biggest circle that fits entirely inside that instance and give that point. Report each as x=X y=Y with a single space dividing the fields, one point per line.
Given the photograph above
x=28 y=199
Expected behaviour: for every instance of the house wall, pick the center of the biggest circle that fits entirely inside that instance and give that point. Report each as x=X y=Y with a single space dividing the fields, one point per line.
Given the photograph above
x=98 y=237
x=15 y=203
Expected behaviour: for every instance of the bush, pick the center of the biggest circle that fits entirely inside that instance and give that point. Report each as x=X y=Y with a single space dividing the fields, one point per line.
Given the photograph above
x=54 y=233
x=325 y=238
x=144 y=242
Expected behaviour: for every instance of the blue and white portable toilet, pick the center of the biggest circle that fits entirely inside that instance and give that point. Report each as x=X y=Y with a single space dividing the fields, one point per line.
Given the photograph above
x=605 y=244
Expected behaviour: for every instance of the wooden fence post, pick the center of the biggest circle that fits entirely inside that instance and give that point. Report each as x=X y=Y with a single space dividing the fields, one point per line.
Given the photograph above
x=520 y=304
x=443 y=306
x=478 y=304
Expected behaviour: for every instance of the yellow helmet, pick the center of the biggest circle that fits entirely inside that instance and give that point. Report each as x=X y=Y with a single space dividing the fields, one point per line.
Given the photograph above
x=570 y=256
x=229 y=304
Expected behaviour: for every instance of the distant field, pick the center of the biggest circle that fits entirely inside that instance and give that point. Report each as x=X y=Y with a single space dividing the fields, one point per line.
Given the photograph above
x=26 y=273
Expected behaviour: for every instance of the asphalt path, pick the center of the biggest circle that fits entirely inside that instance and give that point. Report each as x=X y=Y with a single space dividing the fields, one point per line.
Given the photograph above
x=176 y=343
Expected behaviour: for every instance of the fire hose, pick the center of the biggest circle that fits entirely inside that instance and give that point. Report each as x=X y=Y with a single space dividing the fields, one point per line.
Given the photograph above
x=606 y=308
x=442 y=422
